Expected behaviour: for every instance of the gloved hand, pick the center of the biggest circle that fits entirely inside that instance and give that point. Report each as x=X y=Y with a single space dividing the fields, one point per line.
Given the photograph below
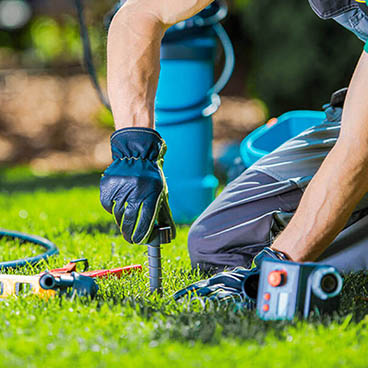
x=238 y=285
x=223 y=287
x=133 y=188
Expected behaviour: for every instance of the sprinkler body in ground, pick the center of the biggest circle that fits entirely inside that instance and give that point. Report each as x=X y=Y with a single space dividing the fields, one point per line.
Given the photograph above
x=161 y=235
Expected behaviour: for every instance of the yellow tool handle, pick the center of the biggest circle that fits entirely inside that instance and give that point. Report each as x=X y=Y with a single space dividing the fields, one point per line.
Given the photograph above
x=14 y=285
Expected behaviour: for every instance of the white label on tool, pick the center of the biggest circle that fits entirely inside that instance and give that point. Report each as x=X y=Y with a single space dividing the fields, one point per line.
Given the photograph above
x=282 y=305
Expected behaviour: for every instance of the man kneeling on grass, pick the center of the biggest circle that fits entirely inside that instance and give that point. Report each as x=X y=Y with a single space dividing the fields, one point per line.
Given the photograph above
x=305 y=201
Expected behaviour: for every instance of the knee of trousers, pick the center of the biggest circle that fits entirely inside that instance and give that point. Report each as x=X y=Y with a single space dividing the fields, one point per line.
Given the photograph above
x=195 y=239
x=202 y=251
x=207 y=254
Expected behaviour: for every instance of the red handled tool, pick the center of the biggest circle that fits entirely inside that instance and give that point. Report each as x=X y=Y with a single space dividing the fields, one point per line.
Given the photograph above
x=65 y=281
x=72 y=267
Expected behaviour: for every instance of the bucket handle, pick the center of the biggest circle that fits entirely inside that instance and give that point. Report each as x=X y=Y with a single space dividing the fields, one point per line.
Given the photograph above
x=226 y=74
x=213 y=94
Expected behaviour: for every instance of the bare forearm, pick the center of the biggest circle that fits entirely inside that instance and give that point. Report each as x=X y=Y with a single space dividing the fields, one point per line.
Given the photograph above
x=339 y=184
x=133 y=55
x=325 y=207
x=133 y=67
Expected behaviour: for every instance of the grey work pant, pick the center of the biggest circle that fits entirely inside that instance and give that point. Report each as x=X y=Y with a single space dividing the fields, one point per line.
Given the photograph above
x=255 y=207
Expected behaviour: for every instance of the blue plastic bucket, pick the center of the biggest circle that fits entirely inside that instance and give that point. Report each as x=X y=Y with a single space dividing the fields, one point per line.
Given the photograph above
x=187 y=73
x=187 y=69
x=272 y=135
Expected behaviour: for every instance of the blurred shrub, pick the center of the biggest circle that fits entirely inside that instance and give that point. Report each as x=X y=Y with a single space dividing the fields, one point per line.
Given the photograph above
x=58 y=41
x=297 y=59
x=52 y=41
x=47 y=38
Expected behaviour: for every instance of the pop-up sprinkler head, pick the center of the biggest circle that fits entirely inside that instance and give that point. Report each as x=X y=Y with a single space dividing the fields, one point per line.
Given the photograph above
x=160 y=235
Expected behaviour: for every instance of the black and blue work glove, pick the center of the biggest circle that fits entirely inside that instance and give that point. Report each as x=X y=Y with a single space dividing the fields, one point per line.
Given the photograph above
x=237 y=285
x=225 y=286
x=133 y=188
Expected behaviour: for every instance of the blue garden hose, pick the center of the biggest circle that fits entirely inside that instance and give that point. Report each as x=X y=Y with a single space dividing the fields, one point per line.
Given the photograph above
x=50 y=249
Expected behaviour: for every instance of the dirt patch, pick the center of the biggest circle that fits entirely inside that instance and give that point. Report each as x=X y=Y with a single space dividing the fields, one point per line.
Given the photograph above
x=51 y=123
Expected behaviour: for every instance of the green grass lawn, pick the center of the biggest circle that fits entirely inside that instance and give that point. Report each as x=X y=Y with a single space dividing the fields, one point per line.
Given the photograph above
x=125 y=326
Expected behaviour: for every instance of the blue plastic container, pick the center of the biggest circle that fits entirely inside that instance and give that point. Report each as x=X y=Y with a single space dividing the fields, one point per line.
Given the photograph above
x=187 y=75
x=270 y=136
x=187 y=72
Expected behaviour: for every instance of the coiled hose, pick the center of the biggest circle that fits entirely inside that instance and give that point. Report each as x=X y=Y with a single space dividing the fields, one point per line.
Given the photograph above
x=50 y=249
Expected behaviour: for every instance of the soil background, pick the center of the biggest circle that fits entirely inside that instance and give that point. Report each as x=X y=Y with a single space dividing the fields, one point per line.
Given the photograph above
x=53 y=122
